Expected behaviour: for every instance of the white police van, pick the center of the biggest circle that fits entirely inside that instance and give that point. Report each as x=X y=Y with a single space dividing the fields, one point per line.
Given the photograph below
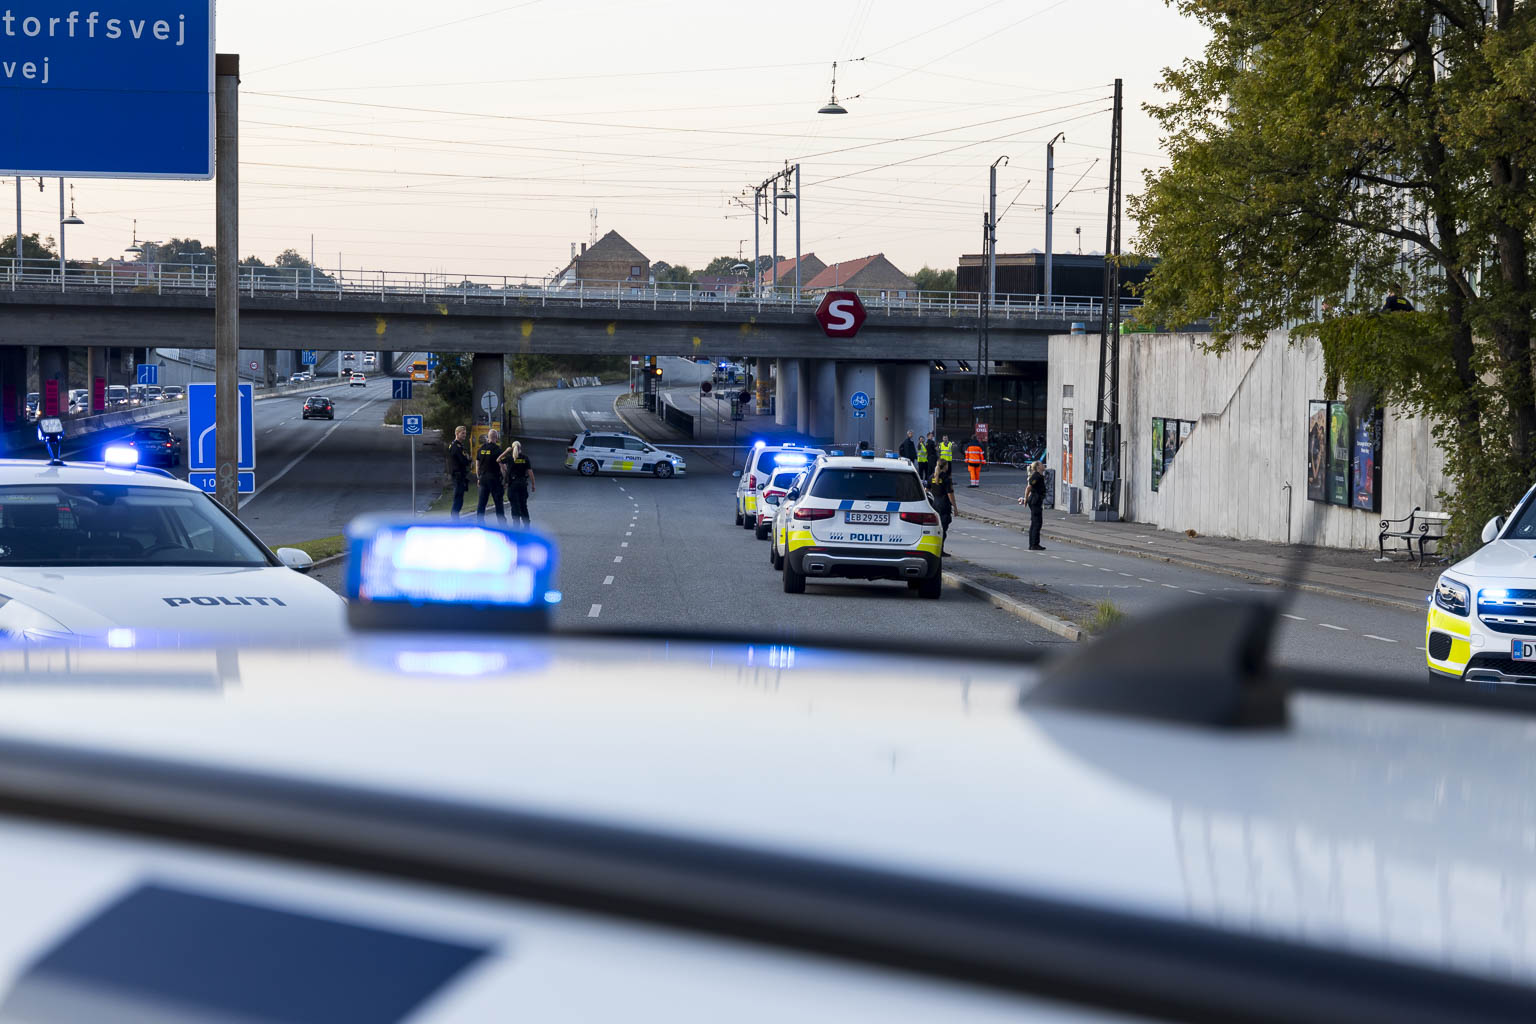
x=860 y=518
x=117 y=552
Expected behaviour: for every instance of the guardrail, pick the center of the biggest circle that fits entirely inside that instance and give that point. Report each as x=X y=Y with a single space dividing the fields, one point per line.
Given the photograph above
x=500 y=289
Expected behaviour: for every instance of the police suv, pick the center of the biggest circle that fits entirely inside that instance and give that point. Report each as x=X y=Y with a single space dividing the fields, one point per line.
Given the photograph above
x=861 y=518
x=759 y=468
x=113 y=551
x=1482 y=613
x=613 y=451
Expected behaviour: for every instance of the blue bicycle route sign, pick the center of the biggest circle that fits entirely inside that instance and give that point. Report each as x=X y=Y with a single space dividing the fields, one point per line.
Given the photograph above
x=859 y=400
x=107 y=89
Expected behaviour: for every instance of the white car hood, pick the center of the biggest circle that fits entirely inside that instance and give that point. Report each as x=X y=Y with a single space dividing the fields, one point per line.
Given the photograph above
x=176 y=603
x=1511 y=562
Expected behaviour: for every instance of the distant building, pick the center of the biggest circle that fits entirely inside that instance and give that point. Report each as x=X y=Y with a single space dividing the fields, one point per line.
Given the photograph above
x=1079 y=276
x=870 y=274
x=611 y=263
x=810 y=266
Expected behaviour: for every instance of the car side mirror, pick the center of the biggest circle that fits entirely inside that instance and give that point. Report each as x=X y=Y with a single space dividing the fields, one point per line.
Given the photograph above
x=792 y=495
x=295 y=559
x=1491 y=529
x=736 y=473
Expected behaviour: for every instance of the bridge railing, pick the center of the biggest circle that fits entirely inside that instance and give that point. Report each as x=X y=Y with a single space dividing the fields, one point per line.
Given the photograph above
x=301 y=283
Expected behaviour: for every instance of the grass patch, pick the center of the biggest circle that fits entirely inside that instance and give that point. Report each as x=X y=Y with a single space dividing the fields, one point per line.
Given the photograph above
x=1004 y=575
x=1105 y=615
x=324 y=547
x=444 y=502
x=416 y=405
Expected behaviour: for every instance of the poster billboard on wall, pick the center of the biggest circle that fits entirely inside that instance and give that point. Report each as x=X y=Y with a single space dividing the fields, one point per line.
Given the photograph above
x=1338 y=453
x=1317 y=451
x=1090 y=451
x=1158 y=430
x=1365 y=463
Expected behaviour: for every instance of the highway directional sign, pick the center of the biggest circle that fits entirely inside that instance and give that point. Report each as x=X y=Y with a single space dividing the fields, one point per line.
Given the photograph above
x=210 y=482
x=149 y=373
x=859 y=400
x=400 y=390
x=307 y=357
x=411 y=426
x=202 y=430
x=121 y=91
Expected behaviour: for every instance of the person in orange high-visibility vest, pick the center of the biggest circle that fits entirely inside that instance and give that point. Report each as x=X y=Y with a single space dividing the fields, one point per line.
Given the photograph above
x=974 y=457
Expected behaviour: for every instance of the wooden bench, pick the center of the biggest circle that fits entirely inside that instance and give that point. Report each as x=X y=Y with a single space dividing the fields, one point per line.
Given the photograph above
x=1417 y=526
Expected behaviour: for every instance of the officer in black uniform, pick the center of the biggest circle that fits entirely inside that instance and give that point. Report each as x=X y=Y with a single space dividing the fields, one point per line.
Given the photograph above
x=489 y=471
x=458 y=469
x=520 y=481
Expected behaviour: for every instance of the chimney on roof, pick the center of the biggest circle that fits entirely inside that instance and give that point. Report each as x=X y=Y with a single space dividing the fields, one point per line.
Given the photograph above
x=573 y=250
x=583 y=248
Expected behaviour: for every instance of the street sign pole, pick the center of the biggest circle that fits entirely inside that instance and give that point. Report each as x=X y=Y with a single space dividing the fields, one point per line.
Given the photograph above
x=226 y=312
x=412 y=427
x=413 y=474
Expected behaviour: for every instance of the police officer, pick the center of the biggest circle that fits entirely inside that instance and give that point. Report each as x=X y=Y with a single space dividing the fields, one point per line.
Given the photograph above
x=941 y=495
x=921 y=457
x=489 y=472
x=458 y=469
x=931 y=450
x=908 y=449
x=520 y=481
x=1034 y=497
x=947 y=450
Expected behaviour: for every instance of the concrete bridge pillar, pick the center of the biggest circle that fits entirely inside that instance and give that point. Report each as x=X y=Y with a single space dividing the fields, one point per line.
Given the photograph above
x=852 y=378
x=53 y=365
x=916 y=399
x=760 y=386
x=13 y=386
x=787 y=385
x=822 y=385
x=386 y=363
x=96 y=371
x=486 y=374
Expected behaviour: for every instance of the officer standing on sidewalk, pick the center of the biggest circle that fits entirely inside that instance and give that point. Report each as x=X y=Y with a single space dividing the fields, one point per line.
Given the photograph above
x=1034 y=497
x=520 y=481
x=458 y=469
x=489 y=471
x=941 y=494
x=931 y=450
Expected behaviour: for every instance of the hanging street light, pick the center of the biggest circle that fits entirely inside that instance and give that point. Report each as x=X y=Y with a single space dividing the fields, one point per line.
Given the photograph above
x=833 y=107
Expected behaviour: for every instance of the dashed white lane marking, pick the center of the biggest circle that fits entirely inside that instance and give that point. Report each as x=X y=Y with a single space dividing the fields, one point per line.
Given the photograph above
x=629 y=533
x=1145 y=580
x=1295 y=618
x=621 y=487
x=1200 y=592
x=1329 y=625
x=1102 y=569
x=1127 y=575
x=618 y=558
x=1373 y=636
x=597 y=610
x=607 y=581
x=624 y=544
x=1170 y=586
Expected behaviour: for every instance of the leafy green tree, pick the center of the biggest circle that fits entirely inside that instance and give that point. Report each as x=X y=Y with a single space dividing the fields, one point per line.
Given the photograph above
x=725 y=266
x=931 y=280
x=666 y=273
x=32 y=248
x=1321 y=154
x=452 y=401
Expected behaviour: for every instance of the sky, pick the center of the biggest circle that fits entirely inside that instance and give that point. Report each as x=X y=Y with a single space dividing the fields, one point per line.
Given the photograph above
x=474 y=137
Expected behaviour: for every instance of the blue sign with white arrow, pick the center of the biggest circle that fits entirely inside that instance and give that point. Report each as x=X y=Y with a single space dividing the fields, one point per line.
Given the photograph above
x=307 y=357
x=149 y=373
x=859 y=400
x=400 y=390
x=202 y=431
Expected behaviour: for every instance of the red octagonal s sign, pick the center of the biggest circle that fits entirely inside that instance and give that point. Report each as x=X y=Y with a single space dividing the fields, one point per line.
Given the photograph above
x=840 y=314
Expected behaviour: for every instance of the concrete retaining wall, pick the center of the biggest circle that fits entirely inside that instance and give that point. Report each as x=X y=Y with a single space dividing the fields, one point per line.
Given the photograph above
x=1251 y=439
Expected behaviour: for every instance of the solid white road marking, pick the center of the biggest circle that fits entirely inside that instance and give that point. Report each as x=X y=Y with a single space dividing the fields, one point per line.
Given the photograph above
x=597 y=610
x=275 y=477
x=607 y=581
x=1329 y=625
x=1373 y=636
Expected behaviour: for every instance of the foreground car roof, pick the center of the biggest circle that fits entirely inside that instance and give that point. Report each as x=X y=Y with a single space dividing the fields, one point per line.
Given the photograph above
x=24 y=471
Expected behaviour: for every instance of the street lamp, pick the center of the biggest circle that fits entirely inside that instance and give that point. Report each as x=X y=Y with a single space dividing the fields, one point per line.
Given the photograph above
x=135 y=248
x=833 y=107
x=65 y=222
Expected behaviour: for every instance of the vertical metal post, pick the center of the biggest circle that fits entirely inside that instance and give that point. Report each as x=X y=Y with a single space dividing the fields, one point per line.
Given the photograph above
x=62 y=232
x=981 y=329
x=19 y=264
x=799 y=196
x=226 y=302
x=757 y=255
x=412 y=440
x=311 y=262
x=774 y=199
x=1106 y=481
x=1050 y=212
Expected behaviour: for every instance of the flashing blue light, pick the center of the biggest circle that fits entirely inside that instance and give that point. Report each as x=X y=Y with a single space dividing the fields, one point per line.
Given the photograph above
x=1495 y=594
x=785 y=459
x=760 y=444
x=415 y=563
x=835 y=451
x=891 y=455
x=465 y=664
x=120 y=638
x=553 y=597
x=121 y=456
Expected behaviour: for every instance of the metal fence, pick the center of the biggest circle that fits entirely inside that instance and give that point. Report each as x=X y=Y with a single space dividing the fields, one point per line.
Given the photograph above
x=506 y=290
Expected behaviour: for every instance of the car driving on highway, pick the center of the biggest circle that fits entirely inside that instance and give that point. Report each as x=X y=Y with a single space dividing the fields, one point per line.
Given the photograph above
x=357 y=380
x=156 y=446
x=590 y=453
x=319 y=407
x=863 y=518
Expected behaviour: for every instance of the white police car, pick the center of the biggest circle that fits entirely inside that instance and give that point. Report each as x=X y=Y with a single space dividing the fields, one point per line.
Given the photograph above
x=109 y=550
x=1481 y=625
x=613 y=451
x=1158 y=826
x=762 y=459
x=862 y=518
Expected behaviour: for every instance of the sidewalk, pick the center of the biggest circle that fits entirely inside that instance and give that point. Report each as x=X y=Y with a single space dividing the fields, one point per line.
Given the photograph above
x=1332 y=571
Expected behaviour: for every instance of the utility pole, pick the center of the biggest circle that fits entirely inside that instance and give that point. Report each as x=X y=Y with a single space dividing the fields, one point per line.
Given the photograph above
x=991 y=250
x=226 y=303
x=981 y=334
x=63 y=267
x=1050 y=211
x=1106 y=463
x=797 y=237
x=18 y=262
x=757 y=249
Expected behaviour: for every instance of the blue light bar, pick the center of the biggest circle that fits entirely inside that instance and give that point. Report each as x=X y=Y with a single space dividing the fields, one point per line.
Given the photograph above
x=835 y=451
x=787 y=459
x=760 y=444
x=1497 y=595
x=430 y=575
x=891 y=455
x=121 y=456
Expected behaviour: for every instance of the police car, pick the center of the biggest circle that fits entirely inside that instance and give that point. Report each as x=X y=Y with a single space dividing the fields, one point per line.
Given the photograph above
x=591 y=453
x=759 y=467
x=110 y=550
x=860 y=518
x=1158 y=826
x=775 y=489
x=1481 y=625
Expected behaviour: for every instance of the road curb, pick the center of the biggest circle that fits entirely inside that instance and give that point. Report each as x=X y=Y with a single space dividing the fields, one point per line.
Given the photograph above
x=322 y=563
x=1013 y=606
x=1191 y=563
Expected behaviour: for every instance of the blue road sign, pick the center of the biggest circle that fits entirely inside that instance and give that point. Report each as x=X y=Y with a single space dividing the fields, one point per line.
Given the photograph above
x=149 y=373
x=307 y=357
x=209 y=482
x=401 y=389
x=95 y=70
x=410 y=426
x=859 y=414
x=859 y=400
x=201 y=423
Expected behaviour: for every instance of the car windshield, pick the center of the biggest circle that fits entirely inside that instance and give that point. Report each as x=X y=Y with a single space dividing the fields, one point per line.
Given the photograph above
x=867 y=485
x=59 y=525
x=153 y=434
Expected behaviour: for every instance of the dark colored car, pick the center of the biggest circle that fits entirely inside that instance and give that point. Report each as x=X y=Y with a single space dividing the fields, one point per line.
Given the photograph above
x=157 y=446
x=319 y=407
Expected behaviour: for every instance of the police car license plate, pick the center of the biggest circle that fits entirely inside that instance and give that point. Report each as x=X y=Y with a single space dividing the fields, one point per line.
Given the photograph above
x=871 y=518
x=1523 y=650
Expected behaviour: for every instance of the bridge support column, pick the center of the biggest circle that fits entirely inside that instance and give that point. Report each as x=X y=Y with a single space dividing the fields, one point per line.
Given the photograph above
x=386 y=363
x=852 y=378
x=917 y=399
x=13 y=387
x=787 y=394
x=760 y=386
x=486 y=375
x=822 y=389
x=53 y=365
x=268 y=368
x=96 y=370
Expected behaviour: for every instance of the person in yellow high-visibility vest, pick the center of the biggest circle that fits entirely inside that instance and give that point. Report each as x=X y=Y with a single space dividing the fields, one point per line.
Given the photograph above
x=946 y=450
x=974 y=457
